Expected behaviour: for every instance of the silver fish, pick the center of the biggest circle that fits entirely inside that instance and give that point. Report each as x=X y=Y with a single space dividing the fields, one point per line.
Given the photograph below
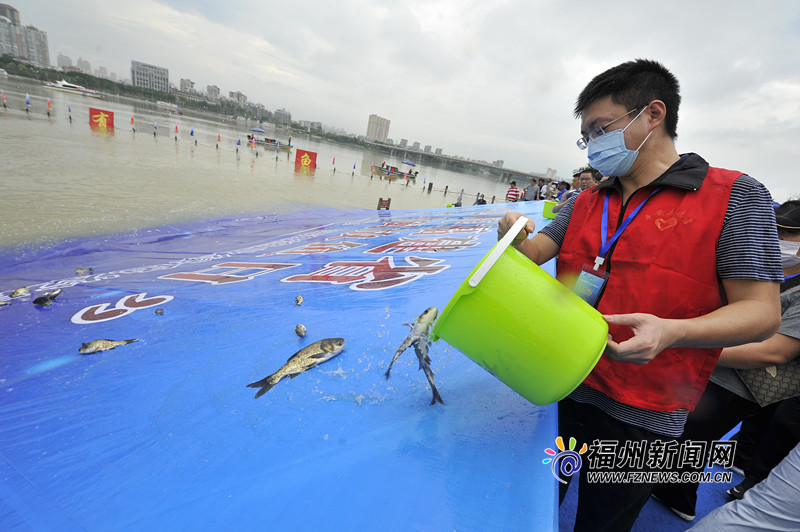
x=305 y=359
x=159 y=312
x=421 y=349
x=300 y=330
x=47 y=298
x=298 y=300
x=96 y=346
x=83 y=271
x=19 y=292
x=419 y=338
x=4 y=303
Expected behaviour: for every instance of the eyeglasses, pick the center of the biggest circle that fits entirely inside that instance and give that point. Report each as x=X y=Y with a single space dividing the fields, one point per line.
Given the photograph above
x=599 y=131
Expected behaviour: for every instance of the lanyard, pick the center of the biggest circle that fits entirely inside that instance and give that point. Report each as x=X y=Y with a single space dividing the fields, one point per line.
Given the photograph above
x=606 y=244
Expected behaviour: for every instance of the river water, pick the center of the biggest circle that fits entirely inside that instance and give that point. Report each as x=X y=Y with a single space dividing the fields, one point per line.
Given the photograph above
x=60 y=178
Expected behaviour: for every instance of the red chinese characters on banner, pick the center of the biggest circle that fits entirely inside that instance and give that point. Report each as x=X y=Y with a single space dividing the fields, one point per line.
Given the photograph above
x=371 y=275
x=451 y=229
x=305 y=159
x=316 y=248
x=364 y=233
x=228 y=272
x=424 y=245
x=407 y=224
x=101 y=119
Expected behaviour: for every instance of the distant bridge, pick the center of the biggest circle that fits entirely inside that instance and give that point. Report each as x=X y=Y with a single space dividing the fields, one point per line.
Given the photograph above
x=503 y=175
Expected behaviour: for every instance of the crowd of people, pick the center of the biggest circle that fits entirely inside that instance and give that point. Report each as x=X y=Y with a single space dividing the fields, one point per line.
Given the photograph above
x=696 y=272
x=559 y=191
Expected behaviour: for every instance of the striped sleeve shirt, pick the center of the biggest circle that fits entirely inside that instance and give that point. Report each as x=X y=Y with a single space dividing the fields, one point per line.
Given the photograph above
x=747 y=249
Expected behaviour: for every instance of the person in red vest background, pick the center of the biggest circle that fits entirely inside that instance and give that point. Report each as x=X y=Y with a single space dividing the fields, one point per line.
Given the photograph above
x=680 y=257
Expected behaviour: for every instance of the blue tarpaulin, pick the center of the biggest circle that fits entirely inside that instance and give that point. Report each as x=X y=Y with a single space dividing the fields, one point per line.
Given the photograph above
x=163 y=433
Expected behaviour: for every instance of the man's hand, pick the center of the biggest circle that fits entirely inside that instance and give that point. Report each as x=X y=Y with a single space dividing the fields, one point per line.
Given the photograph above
x=507 y=221
x=651 y=335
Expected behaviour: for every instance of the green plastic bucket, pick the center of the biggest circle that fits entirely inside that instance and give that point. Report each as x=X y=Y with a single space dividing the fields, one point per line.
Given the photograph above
x=522 y=325
x=548 y=209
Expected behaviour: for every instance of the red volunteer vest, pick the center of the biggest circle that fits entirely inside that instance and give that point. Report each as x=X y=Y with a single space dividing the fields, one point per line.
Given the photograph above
x=663 y=264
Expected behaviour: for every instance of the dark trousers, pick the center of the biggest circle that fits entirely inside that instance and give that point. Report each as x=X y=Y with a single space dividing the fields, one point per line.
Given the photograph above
x=782 y=434
x=753 y=428
x=602 y=506
x=717 y=412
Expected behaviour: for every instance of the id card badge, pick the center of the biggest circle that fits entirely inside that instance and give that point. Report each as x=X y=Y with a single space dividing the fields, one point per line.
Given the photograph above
x=590 y=283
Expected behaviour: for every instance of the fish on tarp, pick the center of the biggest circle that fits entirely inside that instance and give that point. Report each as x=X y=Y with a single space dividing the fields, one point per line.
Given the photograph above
x=19 y=292
x=83 y=271
x=300 y=330
x=305 y=359
x=421 y=349
x=96 y=346
x=298 y=300
x=419 y=337
x=46 y=299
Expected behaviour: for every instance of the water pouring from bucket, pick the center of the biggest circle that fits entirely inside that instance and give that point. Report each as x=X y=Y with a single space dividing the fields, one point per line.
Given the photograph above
x=502 y=316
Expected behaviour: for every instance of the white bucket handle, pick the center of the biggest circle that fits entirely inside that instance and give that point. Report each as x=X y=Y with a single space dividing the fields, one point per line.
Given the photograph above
x=498 y=250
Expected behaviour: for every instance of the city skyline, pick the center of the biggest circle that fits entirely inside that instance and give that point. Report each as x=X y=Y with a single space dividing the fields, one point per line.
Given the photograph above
x=491 y=81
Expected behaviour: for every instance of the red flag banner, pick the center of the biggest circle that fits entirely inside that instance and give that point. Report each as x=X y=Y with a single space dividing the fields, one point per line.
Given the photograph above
x=305 y=159
x=101 y=119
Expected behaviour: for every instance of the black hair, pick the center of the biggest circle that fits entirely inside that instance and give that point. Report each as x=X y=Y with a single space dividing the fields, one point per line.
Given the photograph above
x=633 y=85
x=787 y=216
x=596 y=175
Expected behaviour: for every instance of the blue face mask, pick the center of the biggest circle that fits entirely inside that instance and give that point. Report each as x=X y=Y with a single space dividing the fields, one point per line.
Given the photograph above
x=608 y=153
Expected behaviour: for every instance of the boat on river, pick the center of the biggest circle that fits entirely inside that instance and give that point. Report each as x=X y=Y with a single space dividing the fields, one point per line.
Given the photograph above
x=393 y=172
x=169 y=107
x=270 y=143
x=66 y=86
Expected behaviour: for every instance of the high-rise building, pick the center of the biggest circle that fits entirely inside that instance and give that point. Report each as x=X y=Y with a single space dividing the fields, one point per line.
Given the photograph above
x=187 y=85
x=64 y=61
x=238 y=97
x=282 y=116
x=84 y=65
x=378 y=128
x=149 y=76
x=213 y=93
x=10 y=13
x=25 y=43
x=403 y=143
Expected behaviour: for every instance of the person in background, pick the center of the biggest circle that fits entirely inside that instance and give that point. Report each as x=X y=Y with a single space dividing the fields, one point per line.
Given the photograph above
x=563 y=187
x=544 y=188
x=531 y=191
x=672 y=299
x=540 y=195
x=513 y=193
x=585 y=181
x=727 y=400
x=480 y=200
x=769 y=505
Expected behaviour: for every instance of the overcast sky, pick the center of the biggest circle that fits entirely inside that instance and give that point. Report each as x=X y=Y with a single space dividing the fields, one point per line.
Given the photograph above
x=487 y=79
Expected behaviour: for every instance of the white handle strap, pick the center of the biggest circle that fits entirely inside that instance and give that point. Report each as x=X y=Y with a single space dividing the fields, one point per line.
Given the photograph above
x=498 y=250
